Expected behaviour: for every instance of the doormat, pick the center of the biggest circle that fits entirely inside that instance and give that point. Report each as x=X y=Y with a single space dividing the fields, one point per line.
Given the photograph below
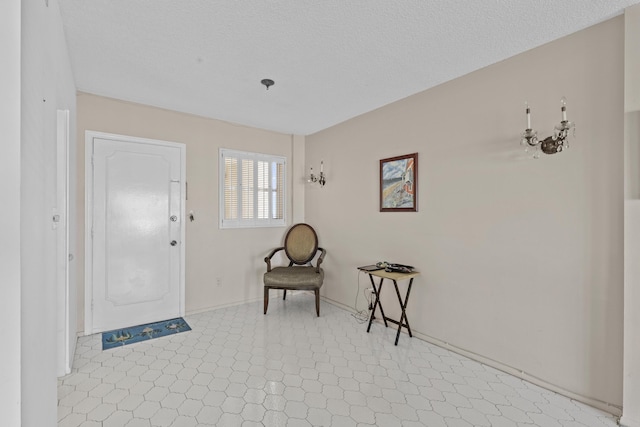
x=120 y=337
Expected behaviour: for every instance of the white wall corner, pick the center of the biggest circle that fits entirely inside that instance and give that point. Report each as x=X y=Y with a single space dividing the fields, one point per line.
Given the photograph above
x=631 y=352
x=10 y=171
x=297 y=178
x=632 y=58
x=631 y=356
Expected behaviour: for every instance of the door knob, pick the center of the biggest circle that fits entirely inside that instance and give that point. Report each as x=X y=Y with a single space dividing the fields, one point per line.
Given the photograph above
x=173 y=243
x=173 y=218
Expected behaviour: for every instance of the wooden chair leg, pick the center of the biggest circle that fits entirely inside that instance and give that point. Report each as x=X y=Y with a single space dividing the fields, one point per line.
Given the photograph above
x=266 y=299
x=317 y=292
x=284 y=295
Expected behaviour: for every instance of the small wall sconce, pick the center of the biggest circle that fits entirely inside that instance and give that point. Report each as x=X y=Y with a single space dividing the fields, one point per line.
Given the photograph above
x=551 y=144
x=320 y=179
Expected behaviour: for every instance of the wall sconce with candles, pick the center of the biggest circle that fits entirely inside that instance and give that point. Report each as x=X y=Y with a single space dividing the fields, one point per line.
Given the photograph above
x=320 y=179
x=551 y=144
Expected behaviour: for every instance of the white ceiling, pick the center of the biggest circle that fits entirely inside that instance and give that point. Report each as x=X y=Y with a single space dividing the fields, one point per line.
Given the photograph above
x=331 y=59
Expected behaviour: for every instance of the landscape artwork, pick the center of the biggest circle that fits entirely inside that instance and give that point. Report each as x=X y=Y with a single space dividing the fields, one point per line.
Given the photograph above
x=399 y=184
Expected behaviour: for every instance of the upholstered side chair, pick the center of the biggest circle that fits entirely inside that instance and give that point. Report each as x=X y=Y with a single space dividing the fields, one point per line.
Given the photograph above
x=301 y=247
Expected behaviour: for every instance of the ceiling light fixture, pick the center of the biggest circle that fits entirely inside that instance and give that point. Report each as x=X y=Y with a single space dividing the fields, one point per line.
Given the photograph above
x=267 y=82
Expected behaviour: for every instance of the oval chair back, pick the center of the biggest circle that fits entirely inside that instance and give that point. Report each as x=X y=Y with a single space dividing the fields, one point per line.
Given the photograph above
x=301 y=244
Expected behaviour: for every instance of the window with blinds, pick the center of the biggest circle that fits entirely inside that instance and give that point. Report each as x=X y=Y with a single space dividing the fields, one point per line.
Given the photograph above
x=252 y=189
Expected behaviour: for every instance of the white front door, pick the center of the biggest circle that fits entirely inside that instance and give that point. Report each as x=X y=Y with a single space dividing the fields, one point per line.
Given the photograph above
x=136 y=213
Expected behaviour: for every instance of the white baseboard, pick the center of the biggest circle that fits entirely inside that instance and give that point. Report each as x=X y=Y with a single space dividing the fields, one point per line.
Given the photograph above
x=217 y=307
x=273 y=295
x=628 y=422
x=599 y=404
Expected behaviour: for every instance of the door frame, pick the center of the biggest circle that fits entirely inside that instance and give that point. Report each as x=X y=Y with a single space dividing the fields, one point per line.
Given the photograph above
x=67 y=305
x=88 y=214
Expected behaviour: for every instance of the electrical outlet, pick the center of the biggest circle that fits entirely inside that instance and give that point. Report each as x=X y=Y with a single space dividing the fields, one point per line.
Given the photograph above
x=218 y=281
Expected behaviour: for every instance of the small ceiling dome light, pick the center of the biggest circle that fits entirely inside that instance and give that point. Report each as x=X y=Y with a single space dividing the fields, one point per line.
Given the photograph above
x=267 y=82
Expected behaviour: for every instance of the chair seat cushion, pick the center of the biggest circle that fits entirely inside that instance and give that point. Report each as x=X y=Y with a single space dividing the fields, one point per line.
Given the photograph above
x=294 y=278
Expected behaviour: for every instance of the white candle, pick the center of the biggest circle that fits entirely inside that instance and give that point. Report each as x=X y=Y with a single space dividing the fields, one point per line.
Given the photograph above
x=563 y=102
x=321 y=166
x=528 y=117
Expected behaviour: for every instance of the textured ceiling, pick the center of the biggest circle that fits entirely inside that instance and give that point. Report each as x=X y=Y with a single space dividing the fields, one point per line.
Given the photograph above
x=331 y=59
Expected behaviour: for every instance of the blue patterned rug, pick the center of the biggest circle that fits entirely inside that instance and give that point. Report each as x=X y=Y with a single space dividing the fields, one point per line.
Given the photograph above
x=124 y=336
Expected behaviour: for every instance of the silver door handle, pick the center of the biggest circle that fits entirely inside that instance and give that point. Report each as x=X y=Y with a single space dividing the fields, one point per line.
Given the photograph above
x=173 y=243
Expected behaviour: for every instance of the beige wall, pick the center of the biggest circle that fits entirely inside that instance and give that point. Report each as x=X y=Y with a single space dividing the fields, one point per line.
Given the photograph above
x=521 y=259
x=235 y=256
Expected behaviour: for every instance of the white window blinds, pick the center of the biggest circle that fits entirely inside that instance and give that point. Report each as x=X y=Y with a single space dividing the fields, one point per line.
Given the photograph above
x=252 y=189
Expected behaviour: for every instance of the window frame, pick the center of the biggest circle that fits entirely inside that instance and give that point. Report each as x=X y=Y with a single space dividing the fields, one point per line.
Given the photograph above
x=254 y=222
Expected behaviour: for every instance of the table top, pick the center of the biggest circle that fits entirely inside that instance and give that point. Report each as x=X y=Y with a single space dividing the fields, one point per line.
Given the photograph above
x=392 y=275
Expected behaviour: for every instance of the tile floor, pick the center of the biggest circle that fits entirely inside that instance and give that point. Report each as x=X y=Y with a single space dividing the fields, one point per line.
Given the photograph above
x=238 y=367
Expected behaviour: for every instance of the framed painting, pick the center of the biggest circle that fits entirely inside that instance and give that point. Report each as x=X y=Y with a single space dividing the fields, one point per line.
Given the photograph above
x=399 y=184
